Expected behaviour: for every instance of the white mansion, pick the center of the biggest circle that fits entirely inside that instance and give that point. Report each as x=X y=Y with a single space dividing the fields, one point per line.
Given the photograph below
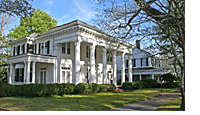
x=71 y=53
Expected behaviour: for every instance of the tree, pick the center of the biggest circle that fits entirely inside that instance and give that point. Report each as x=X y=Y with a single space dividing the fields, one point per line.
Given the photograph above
x=18 y=8
x=39 y=22
x=161 y=23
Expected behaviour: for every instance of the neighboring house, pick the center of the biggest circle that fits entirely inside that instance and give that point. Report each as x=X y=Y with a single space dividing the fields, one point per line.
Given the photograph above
x=145 y=66
x=71 y=53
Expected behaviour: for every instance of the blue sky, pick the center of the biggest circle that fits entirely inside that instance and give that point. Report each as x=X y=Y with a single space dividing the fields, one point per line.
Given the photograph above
x=66 y=10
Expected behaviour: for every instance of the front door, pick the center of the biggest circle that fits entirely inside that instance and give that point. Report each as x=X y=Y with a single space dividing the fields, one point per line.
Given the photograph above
x=43 y=77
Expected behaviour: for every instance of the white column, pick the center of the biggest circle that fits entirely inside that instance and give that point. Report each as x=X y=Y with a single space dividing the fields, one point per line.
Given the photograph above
x=92 y=63
x=37 y=48
x=54 y=72
x=104 y=59
x=130 y=68
x=28 y=72
x=25 y=71
x=152 y=75
x=77 y=63
x=33 y=72
x=11 y=74
x=140 y=77
x=149 y=59
x=122 y=68
x=114 y=68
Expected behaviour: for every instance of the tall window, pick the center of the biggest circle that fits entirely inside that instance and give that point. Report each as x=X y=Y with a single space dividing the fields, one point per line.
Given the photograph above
x=46 y=47
x=126 y=63
x=143 y=62
x=63 y=48
x=134 y=62
x=31 y=48
x=19 y=75
x=152 y=62
x=109 y=56
x=68 y=48
x=65 y=75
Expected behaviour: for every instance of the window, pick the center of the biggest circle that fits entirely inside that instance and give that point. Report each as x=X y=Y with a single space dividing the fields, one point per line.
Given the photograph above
x=19 y=75
x=152 y=62
x=22 y=49
x=47 y=47
x=42 y=48
x=35 y=48
x=63 y=48
x=68 y=48
x=126 y=63
x=134 y=62
x=87 y=52
x=65 y=75
x=147 y=61
x=143 y=63
x=39 y=52
x=17 y=50
x=31 y=48
x=109 y=56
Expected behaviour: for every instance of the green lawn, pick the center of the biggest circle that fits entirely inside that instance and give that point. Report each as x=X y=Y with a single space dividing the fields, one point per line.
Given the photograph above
x=154 y=90
x=172 y=106
x=78 y=102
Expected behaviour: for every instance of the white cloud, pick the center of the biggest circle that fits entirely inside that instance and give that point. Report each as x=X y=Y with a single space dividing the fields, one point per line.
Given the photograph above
x=84 y=9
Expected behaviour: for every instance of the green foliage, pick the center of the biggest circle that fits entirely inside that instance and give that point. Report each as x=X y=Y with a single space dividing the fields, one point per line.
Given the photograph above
x=169 y=78
x=104 y=87
x=96 y=87
x=150 y=83
x=84 y=88
x=39 y=22
x=16 y=7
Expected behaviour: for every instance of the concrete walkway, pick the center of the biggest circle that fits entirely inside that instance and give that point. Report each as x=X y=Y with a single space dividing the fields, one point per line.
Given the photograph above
x=150 y=104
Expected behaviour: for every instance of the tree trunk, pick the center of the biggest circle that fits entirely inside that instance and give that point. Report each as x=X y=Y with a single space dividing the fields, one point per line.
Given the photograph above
x=182 y=86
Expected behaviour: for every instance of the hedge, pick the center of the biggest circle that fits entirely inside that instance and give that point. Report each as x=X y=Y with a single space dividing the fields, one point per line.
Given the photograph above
x=133 y=85
x=149 y=83
x=42 y=90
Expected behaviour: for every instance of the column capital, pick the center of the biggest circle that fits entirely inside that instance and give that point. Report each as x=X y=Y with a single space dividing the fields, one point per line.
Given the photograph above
x=77 y=41
x=92 y=46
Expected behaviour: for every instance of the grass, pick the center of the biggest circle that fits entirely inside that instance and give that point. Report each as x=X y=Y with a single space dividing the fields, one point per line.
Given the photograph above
x=78 y=102
x=154 y=90
x=172 y=106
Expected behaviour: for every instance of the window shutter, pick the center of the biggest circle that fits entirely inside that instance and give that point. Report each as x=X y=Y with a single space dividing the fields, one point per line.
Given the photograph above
x=18 y=50
x=147 y=62
x=23 y=48
x=13 y=51
x=39 y=48
x=134 y=63
x=48 y=48
x=27 y=48
x=141 y=62
x=35 y=48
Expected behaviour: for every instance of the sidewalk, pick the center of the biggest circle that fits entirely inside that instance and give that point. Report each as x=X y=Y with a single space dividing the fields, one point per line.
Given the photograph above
x=150 y=104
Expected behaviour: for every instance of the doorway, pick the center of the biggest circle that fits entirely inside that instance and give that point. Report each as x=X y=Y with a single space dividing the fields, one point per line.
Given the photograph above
x=43 y=77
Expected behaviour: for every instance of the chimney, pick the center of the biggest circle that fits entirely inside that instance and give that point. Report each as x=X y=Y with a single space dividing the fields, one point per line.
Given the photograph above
x=138 y=44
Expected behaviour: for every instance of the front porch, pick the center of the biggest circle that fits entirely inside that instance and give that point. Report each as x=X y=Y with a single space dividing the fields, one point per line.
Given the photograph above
x=31 y=68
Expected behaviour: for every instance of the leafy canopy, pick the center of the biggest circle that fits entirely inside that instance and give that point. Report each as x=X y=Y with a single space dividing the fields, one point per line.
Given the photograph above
x=38 y=22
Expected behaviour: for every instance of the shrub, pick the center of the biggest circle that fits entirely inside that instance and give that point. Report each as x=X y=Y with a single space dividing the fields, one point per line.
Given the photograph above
x=96 y=87
x=52 y=89
x=84 y=88
x=104 y=87
x=127 y=86
x=149 y=83
x=5 y=90
x=112 y=87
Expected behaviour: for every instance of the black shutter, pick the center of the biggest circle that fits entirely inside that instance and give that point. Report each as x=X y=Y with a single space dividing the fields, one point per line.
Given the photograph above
x=39 y=48
x=48 y=48
x=23 y=48
x=13 y=51
x=35 y=48
x=141 y=62
x=18 y=50
x=146 y=61
x=134 y=63
x=27 y=48
x=22 y=74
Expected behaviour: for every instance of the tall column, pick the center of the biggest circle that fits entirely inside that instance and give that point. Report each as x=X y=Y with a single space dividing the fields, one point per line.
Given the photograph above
x=25 y=48
x=152 y=75
x=122 y=68
x=104 y=66
x=28 y=72
x=25 y=71
x=130 y=68
x=11 y=73
x=54 y=72
x=114 y=68
x=33 y=72
x=77 y=62
x=140 y=77
x=92 y=63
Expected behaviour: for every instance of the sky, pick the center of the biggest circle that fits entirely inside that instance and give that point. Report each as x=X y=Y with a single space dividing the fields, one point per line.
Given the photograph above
x=66 y=11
